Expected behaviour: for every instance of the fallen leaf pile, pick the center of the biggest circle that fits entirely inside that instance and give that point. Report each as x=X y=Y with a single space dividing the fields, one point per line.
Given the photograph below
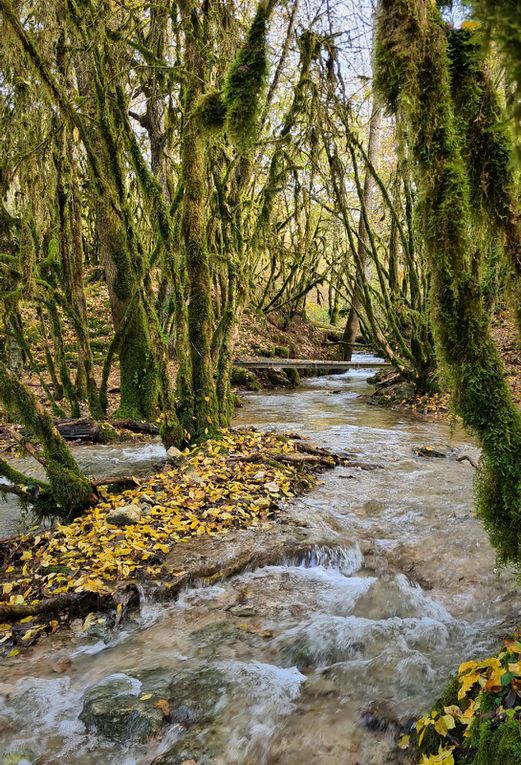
x=488 y=690
x=212 y=491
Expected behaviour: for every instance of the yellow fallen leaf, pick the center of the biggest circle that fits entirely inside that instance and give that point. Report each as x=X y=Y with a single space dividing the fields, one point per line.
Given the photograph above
x=164 y=706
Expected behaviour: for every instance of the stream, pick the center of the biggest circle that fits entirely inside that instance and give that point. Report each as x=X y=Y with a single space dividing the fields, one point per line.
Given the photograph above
x=314 y=660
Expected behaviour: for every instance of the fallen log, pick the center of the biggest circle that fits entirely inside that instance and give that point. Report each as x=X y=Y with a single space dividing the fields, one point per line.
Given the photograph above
x=11 y=611
x=84 y=429
x=290 y=459
x=88 y=429
x=326 y=459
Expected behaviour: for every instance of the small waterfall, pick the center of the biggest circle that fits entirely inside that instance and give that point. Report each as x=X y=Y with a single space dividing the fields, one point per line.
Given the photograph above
x=345 y=560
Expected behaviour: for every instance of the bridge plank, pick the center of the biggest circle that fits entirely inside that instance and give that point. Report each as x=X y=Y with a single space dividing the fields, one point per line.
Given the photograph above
x=337 y=366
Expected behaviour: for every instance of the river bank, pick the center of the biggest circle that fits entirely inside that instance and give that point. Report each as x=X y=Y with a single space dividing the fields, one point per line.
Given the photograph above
x=129 y=541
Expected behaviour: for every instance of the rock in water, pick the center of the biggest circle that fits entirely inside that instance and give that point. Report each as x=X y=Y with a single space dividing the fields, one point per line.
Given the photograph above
x=114 y=710
x=124 y=516
x=174 y=455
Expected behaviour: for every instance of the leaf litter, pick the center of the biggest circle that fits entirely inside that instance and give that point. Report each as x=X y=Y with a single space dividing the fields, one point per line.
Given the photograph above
x=228 y=483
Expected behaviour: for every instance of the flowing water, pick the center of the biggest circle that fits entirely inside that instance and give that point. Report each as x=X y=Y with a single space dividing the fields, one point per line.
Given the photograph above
x=318 y=659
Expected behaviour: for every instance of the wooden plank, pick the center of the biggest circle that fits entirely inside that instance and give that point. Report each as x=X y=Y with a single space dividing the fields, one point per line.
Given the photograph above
x=337 y=366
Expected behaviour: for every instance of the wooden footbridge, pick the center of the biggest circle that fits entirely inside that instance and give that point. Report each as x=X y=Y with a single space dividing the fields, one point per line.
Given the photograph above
x=318 y=364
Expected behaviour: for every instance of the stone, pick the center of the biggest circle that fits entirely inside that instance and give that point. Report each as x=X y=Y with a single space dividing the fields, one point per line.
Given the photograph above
x=244 y=611
x=199 y=746
x=114 y=709
x=18 y=757
x=124 y=516
x=443 y=452
x=174 y=455
x=272 y=487
x=145 y=499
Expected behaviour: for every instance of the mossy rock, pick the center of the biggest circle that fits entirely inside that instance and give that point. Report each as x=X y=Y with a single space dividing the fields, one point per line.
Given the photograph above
x=281 y=351
x=266 y=351
x=244 y=378
x=114 y=710
x=293 y=376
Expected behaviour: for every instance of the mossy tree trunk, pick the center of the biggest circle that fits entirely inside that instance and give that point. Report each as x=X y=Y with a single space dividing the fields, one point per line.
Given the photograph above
x=200 y=416
x=122 y=259
x=413 y=75
x=70 y=491
x=352 y=326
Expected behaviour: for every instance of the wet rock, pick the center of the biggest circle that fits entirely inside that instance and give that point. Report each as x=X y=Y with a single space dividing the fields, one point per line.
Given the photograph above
x=195 y=694
x=245 y=611
x=379 y=716
x=124 y=516
x=19 y=757
x=114 y=709
x=440 y=452
x=200 y=746
x=174 y=455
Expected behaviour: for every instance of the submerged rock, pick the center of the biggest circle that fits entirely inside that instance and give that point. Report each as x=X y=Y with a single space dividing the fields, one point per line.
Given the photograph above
x=124 y=516
x=440 y=452
x=195 y=694
x=114 y=709
x=200 y=746
x=19 y=757
x=244 y=611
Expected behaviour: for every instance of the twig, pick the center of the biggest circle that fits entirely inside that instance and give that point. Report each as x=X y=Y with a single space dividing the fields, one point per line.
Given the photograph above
x=466 y=458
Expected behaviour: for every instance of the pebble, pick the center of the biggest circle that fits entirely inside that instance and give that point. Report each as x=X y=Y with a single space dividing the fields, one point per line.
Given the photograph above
x=124 y=516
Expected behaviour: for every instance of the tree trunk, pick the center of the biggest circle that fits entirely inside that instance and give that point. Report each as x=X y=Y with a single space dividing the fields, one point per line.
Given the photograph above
x=71 y=492
x=204 y=414
x=352 y=327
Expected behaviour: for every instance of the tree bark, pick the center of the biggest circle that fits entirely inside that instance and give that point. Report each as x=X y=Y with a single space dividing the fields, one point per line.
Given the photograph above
x=352 y=327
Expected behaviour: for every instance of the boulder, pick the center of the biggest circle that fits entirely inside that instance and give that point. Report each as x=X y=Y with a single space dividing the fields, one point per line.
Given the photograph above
x=114 y=709
x=124 y=516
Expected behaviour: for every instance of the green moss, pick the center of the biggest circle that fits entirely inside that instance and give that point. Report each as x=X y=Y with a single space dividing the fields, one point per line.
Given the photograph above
x=496 y=746
x=502 y=23
x=245 y=84
x=244 y=378
x=210 y=111
x=138 y=370
x=413 y=74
